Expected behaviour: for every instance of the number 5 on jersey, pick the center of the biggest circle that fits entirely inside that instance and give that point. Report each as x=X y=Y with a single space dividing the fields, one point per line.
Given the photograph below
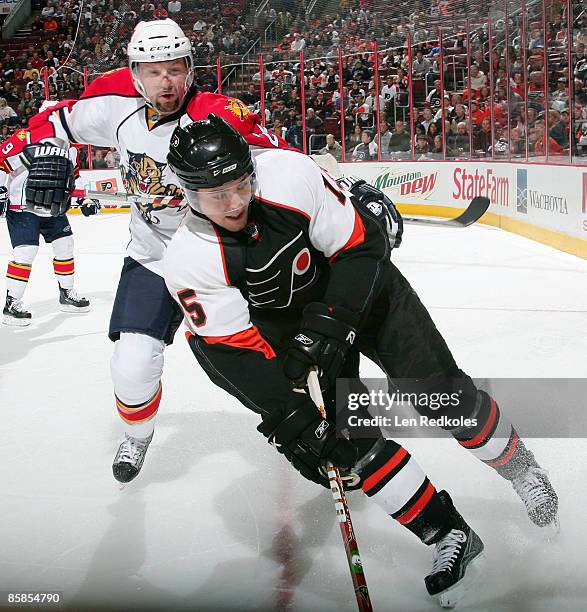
x=191 y=306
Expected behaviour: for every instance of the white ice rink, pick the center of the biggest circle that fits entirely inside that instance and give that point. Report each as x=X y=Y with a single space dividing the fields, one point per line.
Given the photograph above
x=217 y=520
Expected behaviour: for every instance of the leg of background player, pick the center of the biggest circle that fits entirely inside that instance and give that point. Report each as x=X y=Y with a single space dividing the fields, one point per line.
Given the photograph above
x=144 y=319
x=57 y=231
x=24 y=230
x=17 y=277
x=136 y=368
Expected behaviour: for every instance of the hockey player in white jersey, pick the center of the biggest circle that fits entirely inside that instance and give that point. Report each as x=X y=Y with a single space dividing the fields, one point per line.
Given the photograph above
x=261 y=268
x=136 y=109
x=25 y=227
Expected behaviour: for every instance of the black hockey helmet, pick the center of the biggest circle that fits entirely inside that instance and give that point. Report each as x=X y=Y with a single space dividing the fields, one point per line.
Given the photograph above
x=208 y=153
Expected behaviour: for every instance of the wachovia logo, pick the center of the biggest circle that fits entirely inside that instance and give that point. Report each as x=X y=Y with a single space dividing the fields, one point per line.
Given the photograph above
x=304 y=340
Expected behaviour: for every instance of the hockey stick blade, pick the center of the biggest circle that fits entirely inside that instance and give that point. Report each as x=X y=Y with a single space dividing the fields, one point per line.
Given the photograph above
x=476 y=209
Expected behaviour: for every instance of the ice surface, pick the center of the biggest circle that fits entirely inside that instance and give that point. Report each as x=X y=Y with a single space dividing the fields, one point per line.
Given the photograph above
x=217 y=520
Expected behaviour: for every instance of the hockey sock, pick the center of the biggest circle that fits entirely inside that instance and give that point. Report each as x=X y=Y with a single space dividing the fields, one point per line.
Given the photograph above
x=397 y=484
x=19 y=270
x=139 y=419
x=63 y=262
x=136 y=367
x=494 y=441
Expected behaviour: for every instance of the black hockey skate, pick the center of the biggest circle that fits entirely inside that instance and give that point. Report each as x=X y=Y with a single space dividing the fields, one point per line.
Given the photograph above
x=130 y=457
x=540 y=499
x=70 y=301
x=14 y=313
x=455 y=561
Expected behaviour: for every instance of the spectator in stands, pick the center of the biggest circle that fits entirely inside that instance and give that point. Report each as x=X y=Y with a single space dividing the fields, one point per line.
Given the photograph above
x=384 y=138
x=313 y=122
x=160 y=12
x=437 y=151
x=400 y=141
x=50 y=25
x=422 y=148
x=427 y=118
x=7 y=113
x=421 y=65
x=366 y=150
x=360 y=72
x=435 y=96
x=517 y=144
x=173 y=6
x=458 y=143
x=482 y=137
x=298 y=44
x=478 y=79
x=333 y=147
x=295 y=134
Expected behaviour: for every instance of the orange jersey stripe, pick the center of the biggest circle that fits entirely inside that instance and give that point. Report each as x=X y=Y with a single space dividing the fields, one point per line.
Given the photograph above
x=356 y=238
x=250 y=339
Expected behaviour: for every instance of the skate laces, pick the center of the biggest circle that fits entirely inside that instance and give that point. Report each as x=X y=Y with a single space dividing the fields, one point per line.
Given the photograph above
x=531 y=488
x=73 y=295
x=131 y=449
x=16 y=305
x=447 y=551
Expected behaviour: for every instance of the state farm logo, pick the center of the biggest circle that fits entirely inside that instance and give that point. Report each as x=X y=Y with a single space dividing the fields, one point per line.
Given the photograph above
x=469 y=185
x=408 y=183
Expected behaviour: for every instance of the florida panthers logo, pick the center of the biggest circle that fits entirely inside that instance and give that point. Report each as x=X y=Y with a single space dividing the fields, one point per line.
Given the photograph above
x=144 y=175
x=290 y=270
x=238 y=108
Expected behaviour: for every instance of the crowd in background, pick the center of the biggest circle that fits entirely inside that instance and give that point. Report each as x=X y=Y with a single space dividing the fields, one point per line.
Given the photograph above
x=419 y=96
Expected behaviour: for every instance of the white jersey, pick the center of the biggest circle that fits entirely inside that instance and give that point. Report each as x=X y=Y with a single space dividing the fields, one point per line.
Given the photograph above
x=111 y=113
x=307 y=221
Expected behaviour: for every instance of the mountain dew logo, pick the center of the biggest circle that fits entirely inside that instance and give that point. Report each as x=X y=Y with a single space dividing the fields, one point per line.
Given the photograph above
x=407 y=183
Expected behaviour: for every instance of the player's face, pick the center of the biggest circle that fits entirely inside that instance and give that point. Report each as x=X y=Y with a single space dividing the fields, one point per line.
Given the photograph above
x=164 y=83
x=227 y=206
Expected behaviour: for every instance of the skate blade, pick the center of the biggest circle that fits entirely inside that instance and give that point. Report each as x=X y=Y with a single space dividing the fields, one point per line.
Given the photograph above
x=451 y=597
x=12 y=322
x=74 y=309
x=549 y=532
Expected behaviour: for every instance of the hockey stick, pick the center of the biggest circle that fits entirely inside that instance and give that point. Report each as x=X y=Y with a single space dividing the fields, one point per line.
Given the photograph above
x=342 y=511
x=476 y=209
x=129 y=198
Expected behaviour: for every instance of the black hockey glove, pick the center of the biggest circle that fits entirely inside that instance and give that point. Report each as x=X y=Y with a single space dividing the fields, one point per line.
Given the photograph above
x=3 y=201
x=326 y=334
x=88 y=207
x=378 y=204
x=50 y=181
x=308 y=442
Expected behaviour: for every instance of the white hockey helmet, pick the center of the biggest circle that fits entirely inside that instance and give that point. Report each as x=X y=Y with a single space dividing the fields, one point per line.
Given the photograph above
x=158 y=41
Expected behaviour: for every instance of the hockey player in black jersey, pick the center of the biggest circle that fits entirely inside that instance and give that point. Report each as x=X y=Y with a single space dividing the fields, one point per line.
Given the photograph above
x=279 y=269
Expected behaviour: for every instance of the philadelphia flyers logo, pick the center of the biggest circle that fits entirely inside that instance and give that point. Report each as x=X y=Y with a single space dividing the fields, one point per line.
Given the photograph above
x=274 y=283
